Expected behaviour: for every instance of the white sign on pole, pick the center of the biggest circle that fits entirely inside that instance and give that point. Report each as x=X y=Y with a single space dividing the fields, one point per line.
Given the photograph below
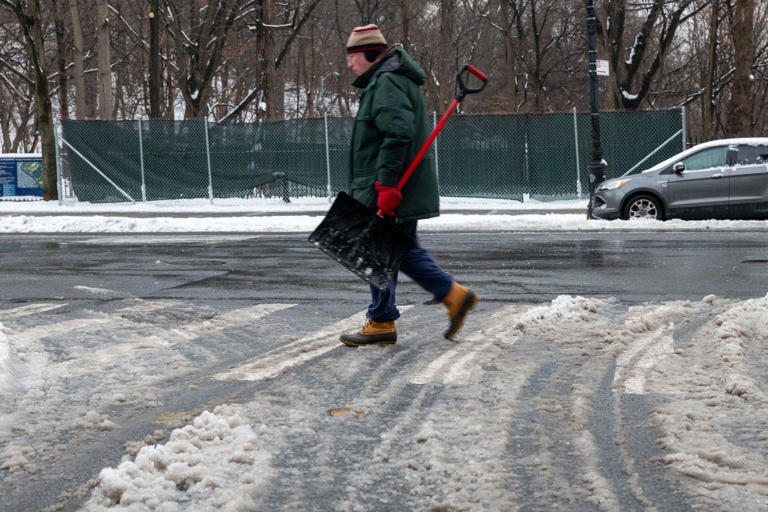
x=601 y=67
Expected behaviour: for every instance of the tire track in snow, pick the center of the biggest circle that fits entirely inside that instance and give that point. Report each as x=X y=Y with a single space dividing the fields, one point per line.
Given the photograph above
x=357 y=384
x=425 y=449
x=621 y=406
x=711 y=420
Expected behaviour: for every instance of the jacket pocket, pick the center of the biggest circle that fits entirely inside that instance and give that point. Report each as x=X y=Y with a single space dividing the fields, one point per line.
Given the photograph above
x=361 y=187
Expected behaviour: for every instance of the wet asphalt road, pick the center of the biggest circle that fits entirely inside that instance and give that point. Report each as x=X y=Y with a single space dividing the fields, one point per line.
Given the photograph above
x=225 y=271
x=531 y=267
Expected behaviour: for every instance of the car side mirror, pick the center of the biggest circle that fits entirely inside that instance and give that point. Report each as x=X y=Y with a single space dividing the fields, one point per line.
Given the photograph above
x=679 y=167
x=732 y=156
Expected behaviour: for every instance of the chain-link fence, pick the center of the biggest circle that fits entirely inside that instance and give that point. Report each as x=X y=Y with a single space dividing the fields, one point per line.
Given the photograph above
x=512 y=156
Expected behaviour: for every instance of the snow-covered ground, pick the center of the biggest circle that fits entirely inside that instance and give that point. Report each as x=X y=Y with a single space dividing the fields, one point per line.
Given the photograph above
x=697 y=363
x=474 y=410
x=301 y=215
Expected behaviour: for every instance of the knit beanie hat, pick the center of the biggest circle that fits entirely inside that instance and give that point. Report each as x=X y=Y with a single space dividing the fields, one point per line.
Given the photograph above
x=363 y=39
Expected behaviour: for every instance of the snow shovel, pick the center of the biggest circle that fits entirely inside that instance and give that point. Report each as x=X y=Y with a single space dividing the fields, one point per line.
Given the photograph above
x=362 y=240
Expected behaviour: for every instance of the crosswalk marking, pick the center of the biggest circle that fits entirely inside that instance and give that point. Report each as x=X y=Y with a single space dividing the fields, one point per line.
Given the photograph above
x=455 y=366
x=273 y=363
x=460 y=371
x=65 y=326
x=29 y=309
x=169 y=337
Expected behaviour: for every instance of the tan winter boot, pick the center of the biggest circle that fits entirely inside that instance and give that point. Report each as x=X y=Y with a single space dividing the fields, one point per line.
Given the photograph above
x=372 y=333
x=459 y=301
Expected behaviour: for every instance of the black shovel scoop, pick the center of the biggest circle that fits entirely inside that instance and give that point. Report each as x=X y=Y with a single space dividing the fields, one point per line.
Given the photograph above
x=370 y=245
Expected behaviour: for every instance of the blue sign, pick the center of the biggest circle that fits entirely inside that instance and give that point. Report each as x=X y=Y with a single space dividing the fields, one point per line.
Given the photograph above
x=21 y=175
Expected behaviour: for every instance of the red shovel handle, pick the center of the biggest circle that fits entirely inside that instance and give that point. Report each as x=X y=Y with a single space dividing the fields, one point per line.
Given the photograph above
x=463 y=91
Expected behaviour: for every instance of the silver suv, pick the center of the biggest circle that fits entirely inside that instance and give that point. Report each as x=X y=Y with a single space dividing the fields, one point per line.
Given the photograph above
x=720 y=179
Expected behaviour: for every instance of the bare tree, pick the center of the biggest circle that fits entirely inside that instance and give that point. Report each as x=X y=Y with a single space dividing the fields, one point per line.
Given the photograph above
x=199 y=34
x=268 y=91
x=154 y=59
x=105 y=59
x=29 y=19
x=81 y=106
x=633 y=75
x=739 y=120
x=61 y=57
x=714 y=24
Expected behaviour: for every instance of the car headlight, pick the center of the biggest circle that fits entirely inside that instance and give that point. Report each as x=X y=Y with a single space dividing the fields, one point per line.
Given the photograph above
x=612 y=184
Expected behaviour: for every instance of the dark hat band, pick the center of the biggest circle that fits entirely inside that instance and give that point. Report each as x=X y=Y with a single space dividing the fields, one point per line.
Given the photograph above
x=367 y=47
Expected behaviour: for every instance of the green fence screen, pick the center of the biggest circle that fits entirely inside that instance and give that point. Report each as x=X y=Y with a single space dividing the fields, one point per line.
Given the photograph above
x=514 y=156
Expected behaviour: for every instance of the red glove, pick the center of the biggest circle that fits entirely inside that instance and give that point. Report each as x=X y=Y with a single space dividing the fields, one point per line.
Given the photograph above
x=389 y=198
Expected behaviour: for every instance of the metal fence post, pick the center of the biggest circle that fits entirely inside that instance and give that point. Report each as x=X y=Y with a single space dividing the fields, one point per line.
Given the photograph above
x=683 y=137
x=59 y=183
x=327 y=155
x=576 y=145
x=526 y=162
x=208 y=156
x=434 y=125
x=141 y=158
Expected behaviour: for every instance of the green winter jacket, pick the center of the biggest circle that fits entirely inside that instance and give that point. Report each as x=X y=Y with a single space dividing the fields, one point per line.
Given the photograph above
x=390 y=128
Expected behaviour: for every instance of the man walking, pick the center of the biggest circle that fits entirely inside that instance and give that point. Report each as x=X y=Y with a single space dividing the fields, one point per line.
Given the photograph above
x=390 y=127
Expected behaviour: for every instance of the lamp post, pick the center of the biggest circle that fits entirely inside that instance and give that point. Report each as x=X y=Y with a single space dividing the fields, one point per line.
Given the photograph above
x=597 y=166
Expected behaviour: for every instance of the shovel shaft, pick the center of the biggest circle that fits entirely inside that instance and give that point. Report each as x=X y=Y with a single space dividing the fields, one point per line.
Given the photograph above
x=423 y=151
x=463 y=91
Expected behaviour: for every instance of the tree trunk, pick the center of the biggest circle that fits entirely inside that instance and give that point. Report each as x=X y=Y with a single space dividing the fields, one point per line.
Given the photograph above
x=404 y=16
x=155 y=82
x=34 y=35
x=61 y=59
x=509 y=55
x=444 y=64
x=274 y=86
x=537 y=81
x=711 y=66
x=105 y=60
x=81 y=106
x=740 y=105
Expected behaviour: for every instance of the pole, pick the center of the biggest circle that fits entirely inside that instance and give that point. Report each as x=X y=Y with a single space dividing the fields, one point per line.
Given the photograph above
x=59 y=181
x=141 y=159
x=327 y=156
x=684 y=127
x=325 y=119
x=434 y=125
x=597 y=166
x=576 y=145
x=208 y=155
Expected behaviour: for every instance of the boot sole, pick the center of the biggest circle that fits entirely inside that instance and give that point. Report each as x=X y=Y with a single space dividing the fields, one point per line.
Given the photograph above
x=458 y=321
x=355 y=343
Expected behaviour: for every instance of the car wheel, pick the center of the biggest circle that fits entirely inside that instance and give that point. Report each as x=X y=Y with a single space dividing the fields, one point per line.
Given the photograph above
x=643 y=207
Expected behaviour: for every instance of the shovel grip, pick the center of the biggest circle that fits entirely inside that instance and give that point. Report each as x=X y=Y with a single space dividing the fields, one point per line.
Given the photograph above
x=463 y=91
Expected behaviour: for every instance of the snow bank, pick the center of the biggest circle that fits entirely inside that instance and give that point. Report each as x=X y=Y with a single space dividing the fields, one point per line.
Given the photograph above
x=114 y=223
x=5 y=359
x=714 y=402
x=563 y=308
x=215 y=463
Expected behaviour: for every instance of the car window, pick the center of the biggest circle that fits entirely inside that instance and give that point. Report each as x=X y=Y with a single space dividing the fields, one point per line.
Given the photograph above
x=706 y=158
x=751 y=154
